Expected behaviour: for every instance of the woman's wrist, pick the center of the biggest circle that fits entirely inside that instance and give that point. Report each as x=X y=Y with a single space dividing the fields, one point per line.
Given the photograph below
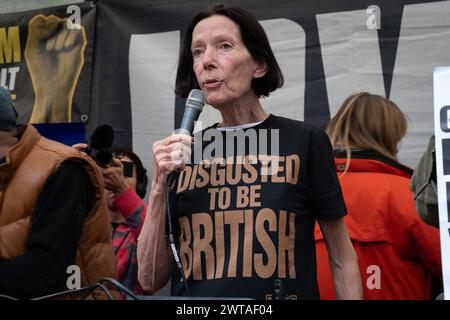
x=158 y=184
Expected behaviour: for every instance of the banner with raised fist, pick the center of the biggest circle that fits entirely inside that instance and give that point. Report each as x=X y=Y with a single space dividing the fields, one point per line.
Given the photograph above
x=46 y=62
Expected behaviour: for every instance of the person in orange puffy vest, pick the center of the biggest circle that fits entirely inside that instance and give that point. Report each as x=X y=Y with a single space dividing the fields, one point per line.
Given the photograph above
x=54 y=226
x=399 y=255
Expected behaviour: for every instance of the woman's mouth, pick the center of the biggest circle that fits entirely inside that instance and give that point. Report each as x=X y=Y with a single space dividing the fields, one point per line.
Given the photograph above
x=211 y=84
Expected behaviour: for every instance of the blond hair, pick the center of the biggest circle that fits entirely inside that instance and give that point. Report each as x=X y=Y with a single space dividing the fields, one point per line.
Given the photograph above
x=368 y=122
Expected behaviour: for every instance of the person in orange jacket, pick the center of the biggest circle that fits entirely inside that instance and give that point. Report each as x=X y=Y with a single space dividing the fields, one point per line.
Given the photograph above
x=399 y=255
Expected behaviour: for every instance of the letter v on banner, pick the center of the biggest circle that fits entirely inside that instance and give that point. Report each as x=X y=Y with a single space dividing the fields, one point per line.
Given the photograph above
x=441 y=78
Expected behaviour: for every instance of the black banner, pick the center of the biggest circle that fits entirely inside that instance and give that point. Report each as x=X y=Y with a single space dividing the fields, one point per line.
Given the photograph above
x=46 y=62
x=327 y=49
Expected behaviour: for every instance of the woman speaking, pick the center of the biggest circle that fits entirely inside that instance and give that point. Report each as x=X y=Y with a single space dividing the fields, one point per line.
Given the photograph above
x=244 y=220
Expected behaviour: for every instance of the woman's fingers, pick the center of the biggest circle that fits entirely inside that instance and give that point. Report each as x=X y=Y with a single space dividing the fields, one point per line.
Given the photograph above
x=172 y=153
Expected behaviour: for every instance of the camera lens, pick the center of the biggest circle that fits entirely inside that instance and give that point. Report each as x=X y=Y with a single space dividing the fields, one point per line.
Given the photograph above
x=103 y=157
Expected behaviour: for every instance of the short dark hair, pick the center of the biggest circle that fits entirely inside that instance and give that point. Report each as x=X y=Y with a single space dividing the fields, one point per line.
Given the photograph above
x=255 y=39
x=141 y=172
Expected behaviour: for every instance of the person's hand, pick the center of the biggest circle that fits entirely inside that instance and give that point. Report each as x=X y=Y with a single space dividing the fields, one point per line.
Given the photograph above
x=114 y=178
x=80 y=146
x=169 y=155
x=55 y=56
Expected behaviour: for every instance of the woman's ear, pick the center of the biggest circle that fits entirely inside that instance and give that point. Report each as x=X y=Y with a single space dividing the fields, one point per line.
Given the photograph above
x=260 y=69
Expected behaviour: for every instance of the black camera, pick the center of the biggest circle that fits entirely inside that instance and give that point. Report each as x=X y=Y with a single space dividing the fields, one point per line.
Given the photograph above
x=99 y=149
x=127 y=168
x=100 y=145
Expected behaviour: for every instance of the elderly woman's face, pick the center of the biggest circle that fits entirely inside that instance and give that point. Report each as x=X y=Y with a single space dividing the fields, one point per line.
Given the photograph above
x=222 y=64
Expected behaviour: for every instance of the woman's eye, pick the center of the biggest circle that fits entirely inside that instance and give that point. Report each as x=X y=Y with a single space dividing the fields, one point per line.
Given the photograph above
x=226 y=45
x=196 y=52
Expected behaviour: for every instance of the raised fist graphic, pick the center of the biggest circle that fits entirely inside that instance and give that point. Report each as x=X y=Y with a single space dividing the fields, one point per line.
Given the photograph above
x=55 y=56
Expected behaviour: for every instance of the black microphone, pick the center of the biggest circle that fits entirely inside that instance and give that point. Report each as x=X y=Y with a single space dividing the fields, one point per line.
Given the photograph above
x=192 y=109
x=194 y=105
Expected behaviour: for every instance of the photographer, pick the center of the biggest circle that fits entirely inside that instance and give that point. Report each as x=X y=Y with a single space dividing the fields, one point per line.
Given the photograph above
x=125 y=182
x=125 y=195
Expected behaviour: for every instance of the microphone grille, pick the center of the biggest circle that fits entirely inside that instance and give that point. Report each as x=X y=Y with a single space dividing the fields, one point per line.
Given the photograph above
x=196 y=99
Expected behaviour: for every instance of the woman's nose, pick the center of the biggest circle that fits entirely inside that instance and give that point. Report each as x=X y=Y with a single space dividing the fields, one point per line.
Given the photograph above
x=209 y=58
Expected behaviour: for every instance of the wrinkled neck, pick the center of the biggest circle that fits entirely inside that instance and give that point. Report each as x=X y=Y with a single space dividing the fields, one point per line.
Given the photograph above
x=245 y=110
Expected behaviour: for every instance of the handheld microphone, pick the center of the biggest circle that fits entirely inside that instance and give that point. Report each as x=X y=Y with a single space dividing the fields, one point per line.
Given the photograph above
x=194 y=105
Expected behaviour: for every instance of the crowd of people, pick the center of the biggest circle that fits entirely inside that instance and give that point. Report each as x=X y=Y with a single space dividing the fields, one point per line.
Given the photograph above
x=336 y=220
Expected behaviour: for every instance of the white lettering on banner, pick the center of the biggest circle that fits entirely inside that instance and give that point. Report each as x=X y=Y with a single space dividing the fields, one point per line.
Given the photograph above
x=442 y=101
x=352 y=63
x=10 y=53
x=153 y=65
x=424 y=44
x=351 y=56
x=8 y=77
x=288 y=42
x=351 y=59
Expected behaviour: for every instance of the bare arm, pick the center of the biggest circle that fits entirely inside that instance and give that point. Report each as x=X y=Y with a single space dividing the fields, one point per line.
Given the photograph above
x=343 y=260
x=154 y=260
x=154 y=257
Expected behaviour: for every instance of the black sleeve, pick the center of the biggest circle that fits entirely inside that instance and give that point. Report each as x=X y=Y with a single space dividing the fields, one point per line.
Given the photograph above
x=324 y=190
x=54 y=236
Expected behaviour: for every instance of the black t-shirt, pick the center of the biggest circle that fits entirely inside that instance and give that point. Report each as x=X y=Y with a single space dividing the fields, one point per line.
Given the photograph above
x=247 y=210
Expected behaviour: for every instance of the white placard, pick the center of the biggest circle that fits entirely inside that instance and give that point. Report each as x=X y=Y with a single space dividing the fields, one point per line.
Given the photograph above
x=441 y=78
